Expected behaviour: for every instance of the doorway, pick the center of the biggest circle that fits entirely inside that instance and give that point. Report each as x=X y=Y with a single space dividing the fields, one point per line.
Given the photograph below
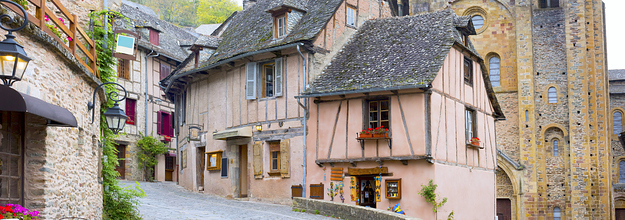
x=243 y=175
x=367 y=191
x=504 y=209
x=169 y=168
x=620 y=214
x=121 y=158
x=200 y=166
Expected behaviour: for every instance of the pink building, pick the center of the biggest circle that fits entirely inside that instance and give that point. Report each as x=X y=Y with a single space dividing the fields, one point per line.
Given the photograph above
x=420 y=78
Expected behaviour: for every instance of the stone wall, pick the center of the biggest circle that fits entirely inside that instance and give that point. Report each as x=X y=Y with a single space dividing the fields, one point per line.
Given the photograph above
x=344 y=211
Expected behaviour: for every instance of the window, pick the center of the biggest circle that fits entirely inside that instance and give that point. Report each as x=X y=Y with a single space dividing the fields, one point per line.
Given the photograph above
x=213 y=160
x=123 y=68
x=280 y=26
x=169 y=163
x=527 y=115
x=183 y=108
x=164 y=125
x=471 y=124
x=617 y=121
x=555 y=148
x=131 y=105
x=549 y=3
x=553 y=95
x=266 y=77
x=379 y=113
x=493 y=68
x=274 y=155
x=350 y=16
x=468 y=71
x=154 y=36
x=621 y=170
x=556 y=213
x=478 y=21
x=165 y=70
x=224 y=167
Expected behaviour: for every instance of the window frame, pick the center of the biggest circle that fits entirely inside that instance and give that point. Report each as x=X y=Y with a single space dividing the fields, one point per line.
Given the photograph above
x=549 y=93
x=549 y=3
x=163 y=126
x=274 y=147
x=614 y=122
x=131 y=111
x=555 y=146
x=468 y=70
x=621 y=172
x=470 y=124
x=278 y=30
x=559 y=217
x=379 y=110
x=264 y=83
x=154 y=36
x=164 y=70
x=256 y=79
x=217 y=165
x=490 y=71
x=483 y=21
x=354 y=11
x=123 y=69
x=224 y=167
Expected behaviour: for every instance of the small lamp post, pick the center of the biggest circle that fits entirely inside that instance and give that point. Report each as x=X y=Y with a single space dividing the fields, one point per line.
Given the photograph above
x=13 y=58
x=115 y=116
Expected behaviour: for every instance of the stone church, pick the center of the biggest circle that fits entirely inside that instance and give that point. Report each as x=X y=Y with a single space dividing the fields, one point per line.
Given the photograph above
x=547 y=64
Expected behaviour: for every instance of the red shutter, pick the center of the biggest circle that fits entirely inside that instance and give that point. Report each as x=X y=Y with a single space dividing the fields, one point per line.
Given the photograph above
x=165 y=69
x=171 y=125
x=159 y=130
x=166 y=124
x=154 y=37
x=130 y=111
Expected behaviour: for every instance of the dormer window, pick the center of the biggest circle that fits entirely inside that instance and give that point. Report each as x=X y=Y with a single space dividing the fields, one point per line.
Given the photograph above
x=280 y=26
x=350 y=16
x=154 y=37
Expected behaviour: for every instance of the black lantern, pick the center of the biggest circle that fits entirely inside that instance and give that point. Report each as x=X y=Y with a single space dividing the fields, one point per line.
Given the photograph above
x=13 y=58
x=115 y=116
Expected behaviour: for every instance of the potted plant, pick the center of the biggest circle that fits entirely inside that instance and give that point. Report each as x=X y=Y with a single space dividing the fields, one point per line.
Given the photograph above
x=15 y=211
x=475 y=141
x=366 y=133
x=380 y=132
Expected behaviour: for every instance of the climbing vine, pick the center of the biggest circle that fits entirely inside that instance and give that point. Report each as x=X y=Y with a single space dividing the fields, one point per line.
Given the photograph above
x=150 y=147
x=429 y=193
x=119 y=202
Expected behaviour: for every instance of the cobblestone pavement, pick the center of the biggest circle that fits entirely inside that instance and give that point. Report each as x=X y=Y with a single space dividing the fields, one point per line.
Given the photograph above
x=170 y=201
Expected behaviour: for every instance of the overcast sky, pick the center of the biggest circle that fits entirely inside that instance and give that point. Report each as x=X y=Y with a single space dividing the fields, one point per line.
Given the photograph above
x=616 y=46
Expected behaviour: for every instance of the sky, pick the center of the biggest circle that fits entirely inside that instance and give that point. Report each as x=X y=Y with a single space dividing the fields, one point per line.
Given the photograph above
x=616 y=46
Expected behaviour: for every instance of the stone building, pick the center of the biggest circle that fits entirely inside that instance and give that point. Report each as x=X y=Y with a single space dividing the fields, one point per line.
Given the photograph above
x=547 y=62
x=242 y=96
x=160 y=47
x=617 y=109
x=49 y=147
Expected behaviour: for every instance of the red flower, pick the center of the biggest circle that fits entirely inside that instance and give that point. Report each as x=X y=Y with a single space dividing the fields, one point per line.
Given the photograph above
x=382 y=126
x=387 y=129
x=367 y=132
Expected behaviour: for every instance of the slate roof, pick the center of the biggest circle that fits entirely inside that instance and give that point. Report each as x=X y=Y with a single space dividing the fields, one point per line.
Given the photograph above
x=171 y=37
x=391 y=52
x=616 y=74
x=396 y=53
x=297 y=4
x=207 y=41
x=207 y=29
x=251 y=30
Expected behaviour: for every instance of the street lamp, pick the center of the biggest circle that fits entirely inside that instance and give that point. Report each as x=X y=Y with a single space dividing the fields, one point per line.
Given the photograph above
x=115 y=116
x=13 y=58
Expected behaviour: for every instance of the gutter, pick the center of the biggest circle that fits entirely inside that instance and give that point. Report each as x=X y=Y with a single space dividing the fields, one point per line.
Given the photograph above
x=319 y=94
x=228 y=60
x=304 y=106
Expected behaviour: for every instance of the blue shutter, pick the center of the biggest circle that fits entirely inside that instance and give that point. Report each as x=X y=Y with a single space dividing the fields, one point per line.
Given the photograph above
x=278 y=78
x=250 y=86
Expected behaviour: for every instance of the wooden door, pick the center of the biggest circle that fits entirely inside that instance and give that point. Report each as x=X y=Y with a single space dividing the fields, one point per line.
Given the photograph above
x=243 y=175
x=200 y=160
x=620 y=214
x=121 y=167
x=169 y=168
x=504 y=209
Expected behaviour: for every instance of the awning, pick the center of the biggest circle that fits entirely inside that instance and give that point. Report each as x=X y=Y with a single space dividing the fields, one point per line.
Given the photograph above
x=14 y=101
x=244 y=132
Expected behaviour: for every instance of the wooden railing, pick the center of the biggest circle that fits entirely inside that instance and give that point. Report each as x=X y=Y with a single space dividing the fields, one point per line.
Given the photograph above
x=73 y=32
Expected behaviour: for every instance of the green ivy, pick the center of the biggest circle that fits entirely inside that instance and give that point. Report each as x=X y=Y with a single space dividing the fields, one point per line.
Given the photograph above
x=428 y=192
x=150 y=147
x=119 y=202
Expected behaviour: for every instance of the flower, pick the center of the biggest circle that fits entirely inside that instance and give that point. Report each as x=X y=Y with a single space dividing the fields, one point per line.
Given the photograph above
x=46 y=18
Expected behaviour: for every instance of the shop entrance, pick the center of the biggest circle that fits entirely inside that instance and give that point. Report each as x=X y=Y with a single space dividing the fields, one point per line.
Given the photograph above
x=367 y=191
x=243 y=171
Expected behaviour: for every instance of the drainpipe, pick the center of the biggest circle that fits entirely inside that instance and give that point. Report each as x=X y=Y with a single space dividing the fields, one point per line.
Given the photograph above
x=146 y=88
x=304 y=106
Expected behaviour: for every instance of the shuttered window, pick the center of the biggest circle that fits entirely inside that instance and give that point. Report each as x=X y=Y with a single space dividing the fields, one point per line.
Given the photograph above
x=131 y=105
x=553 y=95
x=617 y=121
x=250 y=86
x=493 y=69
x=165 y=70
x=164 y=124
x=123 y=68
x=274 y=156
x=154 y=39
x=267 y=77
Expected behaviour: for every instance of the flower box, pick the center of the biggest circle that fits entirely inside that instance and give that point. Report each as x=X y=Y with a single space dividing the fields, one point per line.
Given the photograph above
x=366 y=135
x=385 y=135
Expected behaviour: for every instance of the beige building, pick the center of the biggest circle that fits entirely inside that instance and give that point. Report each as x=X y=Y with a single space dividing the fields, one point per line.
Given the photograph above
x=547 y=64
x=160 y=48
x=265 y=55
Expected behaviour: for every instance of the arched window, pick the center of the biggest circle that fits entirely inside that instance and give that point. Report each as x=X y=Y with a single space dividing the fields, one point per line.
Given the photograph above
x=527 y=115
x=556 y=213
x=621 y=171
x=617 y=121
x=555 y=148
x=493 y=68
x=553 y=95
x=549 y=3
x=478 y=21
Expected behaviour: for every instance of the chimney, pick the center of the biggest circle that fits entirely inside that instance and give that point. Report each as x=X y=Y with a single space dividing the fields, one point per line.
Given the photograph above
x=248 y=3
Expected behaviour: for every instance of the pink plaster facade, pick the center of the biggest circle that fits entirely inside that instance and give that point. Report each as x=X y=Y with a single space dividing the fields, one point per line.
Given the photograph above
x=421 y=151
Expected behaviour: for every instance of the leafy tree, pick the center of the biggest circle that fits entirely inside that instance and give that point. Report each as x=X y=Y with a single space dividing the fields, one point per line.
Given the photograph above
x=150 y=147
x=215 y=11
x=178 y=12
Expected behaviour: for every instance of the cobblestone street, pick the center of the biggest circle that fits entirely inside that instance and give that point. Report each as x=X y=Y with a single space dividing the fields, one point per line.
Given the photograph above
x=170 y=201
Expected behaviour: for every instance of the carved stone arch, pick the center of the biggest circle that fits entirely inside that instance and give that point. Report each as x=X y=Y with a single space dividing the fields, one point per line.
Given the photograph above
x=614 y=110
x=510 y=170
x=619 y=202
x=542 y=132
x=504 y=4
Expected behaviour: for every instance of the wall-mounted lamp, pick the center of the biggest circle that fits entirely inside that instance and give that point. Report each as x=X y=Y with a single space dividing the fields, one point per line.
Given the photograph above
x=13 y=58
x=115 y=116
x=259 y=127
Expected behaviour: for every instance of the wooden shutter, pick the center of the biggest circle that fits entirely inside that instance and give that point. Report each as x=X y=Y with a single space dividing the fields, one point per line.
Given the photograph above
x=130 y=111
x=154 y=39
x=250 y=87
x=285 y=155
x=165 y=69
x=171 y=125
x=258 y=159
x=166 y=124
x=278 y=78
x=158 y=123
x=316 y=191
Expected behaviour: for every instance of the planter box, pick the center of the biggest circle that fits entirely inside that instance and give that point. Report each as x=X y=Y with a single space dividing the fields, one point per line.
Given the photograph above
x=366 y=135
x=380 y=135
